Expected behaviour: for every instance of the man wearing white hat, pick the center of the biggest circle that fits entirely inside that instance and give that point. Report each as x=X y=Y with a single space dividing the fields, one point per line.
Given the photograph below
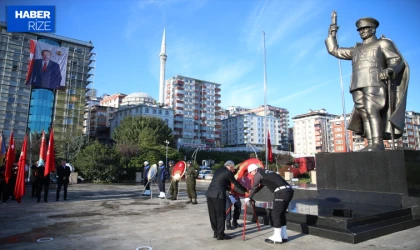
x=283 y=194
x=162 y=174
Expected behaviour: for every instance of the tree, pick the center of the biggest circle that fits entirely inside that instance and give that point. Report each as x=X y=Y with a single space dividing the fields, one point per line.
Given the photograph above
x=143 y=130
x=98 y=162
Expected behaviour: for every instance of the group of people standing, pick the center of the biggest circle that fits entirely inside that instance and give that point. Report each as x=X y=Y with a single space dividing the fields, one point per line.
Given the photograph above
x=164 y=174
x=40 y=181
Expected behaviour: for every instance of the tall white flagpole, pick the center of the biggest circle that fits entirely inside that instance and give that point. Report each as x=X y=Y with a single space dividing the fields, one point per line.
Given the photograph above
x=265 y=105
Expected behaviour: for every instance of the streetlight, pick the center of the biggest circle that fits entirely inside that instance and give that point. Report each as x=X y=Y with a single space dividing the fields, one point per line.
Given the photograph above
x=167 y=143
x=256 y=156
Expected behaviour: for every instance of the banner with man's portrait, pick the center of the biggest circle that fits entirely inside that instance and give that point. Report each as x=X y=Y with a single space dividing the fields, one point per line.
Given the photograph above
x=47 y=65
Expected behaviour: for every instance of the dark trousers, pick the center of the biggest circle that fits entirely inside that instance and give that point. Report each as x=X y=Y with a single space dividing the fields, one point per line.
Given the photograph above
x=192 y=193
x=39 y=185
x=217 y=215
x=236 y=209
x=146 y=184
x=161 y=186
x=59 y=184
x=3 y=191
x=33 y=186
x=281 y=202
x=173 y=188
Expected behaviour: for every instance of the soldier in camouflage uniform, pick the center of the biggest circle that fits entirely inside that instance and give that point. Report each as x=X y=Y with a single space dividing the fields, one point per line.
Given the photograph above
x=173 y=189
x=190 y=177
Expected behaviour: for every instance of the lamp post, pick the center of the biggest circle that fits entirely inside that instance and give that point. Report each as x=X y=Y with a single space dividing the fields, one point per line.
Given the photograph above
x=256 y=156
x=167 y=143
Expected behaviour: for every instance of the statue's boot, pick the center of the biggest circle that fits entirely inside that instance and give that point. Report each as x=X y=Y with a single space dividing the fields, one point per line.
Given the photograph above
x=377 y=145
x=368 y=147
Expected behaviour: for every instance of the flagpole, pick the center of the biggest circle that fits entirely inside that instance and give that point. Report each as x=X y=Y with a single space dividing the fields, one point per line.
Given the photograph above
x=265 y=105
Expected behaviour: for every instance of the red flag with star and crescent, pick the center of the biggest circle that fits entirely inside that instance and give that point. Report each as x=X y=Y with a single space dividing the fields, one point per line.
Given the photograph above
x=32 y=47
x=20 y=179
x=50 y=161
x=10 y=158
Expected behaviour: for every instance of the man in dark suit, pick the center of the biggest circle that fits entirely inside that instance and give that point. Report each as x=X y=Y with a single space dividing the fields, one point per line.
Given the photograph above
x=216 y=198
x=63 y=175
x=45 y=73
x=41 y=182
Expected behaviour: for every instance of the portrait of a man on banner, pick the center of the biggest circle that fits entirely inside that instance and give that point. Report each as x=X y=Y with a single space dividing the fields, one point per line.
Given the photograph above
x=47 y=66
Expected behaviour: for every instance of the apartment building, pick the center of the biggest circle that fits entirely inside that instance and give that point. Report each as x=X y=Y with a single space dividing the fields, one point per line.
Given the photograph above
x=312 y=132
x=114 y=100
x=196 y=104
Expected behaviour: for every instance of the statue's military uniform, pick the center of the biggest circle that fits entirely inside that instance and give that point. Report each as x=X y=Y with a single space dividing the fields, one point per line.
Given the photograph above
x=190 y=176
x=369 y=92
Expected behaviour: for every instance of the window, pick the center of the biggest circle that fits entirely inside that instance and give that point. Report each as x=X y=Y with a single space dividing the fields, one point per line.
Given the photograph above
x=338 y=135
x=159 y=112
x=339 y=142
x=146 y=110
x=337 y=129
x=340 y=148
x=166 y=112
x=70 y=106
x=154 y=111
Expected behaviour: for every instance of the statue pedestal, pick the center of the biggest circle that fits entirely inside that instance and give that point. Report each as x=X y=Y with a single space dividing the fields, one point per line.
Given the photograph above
x=389 y=172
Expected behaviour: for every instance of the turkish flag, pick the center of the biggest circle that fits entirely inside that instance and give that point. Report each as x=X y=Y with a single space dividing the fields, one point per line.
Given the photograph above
x=32 y=46
x=42 y=151
x=10 y=158
x=270 y=151
x=50 y=162
x=20 y=179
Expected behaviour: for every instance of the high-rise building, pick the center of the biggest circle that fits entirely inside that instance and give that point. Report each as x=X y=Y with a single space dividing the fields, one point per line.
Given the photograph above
x=196 y=103
x=277 y=122
x=282 y=117
x=312 y=132
x=242 y=130
x=37 y=109
x=100 y=117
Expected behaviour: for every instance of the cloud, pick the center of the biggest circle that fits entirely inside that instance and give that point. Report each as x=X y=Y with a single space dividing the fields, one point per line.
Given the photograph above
x=248 y=95
x=304 y=92
x=267 y=17
x=231 y=72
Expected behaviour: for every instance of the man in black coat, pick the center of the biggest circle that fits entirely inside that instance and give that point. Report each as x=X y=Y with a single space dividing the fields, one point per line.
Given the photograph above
x=63 y=175
x=216 y=198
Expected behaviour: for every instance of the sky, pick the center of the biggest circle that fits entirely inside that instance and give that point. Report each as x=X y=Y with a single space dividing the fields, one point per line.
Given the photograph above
x=222 y=41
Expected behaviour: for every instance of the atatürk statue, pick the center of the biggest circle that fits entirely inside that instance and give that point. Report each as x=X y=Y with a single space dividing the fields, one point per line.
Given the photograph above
x=378 y=85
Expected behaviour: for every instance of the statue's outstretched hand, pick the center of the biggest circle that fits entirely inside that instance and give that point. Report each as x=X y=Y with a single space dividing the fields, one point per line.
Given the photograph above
x=332 y=30
x=386 y=74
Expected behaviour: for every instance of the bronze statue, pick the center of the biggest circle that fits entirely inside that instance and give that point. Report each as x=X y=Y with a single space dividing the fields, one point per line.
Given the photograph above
x=378 y=85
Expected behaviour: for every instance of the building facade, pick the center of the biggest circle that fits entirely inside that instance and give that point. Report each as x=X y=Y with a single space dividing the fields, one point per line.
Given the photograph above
x=100 y=117
x=114 y=100
x=312 y=132
x=245 y=129
x=196 y=104
x=141 y=104
x=23 y=107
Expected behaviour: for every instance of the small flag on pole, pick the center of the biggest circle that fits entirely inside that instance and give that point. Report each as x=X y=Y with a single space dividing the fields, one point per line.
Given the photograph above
x=50 y=161
x=270 y=151
x=20 y=179
x=42 y=151
x=10 y=158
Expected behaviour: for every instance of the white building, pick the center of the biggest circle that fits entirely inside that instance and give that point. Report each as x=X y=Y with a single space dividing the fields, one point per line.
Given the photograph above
x=245 y=129
x=196 y=103
x=139 y=103
x=312 y=132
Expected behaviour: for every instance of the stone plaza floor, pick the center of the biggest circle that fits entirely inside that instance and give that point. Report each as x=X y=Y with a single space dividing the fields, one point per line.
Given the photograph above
x=115 y=216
